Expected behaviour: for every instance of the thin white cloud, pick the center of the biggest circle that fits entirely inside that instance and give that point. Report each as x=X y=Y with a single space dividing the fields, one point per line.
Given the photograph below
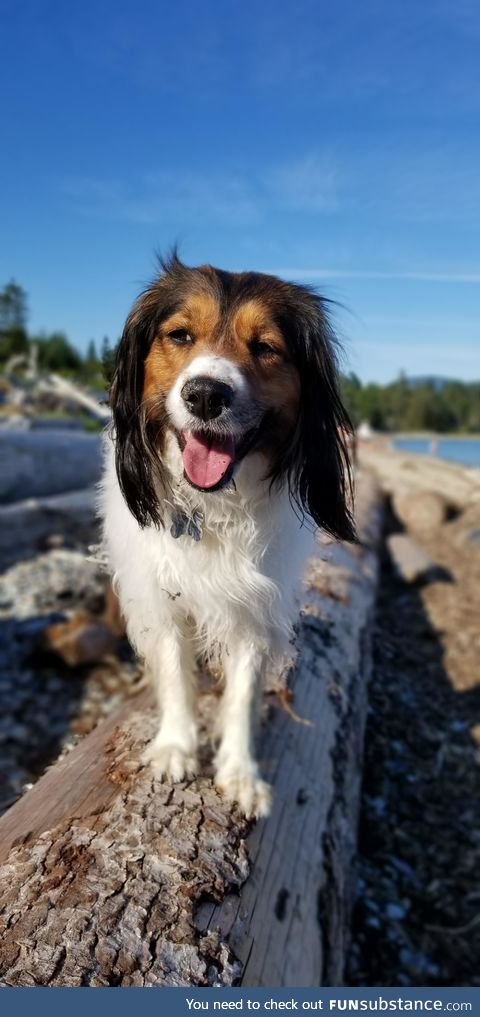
x=402 y=321
x=310 y=184
x=374 y=274
x=165 y=197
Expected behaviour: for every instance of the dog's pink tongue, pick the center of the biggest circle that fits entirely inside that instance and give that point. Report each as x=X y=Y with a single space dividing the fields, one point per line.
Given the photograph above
x=206 y=462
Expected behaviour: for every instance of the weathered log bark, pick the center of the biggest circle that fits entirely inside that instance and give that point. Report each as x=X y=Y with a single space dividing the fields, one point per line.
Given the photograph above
x=110 y=878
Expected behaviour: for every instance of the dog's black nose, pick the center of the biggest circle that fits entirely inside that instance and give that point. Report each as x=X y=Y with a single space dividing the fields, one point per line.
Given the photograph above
x=207 y=397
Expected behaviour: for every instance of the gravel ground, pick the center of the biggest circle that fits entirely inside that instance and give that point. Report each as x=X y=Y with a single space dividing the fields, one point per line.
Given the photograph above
x=417 y=915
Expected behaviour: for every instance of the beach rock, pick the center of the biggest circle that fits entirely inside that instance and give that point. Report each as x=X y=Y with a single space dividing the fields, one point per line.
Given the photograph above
x=47 y=699
x=468 y=535
x=422 y=511
x=60 y=580
x=411 y=562
x=29 y=526
x=81 y=640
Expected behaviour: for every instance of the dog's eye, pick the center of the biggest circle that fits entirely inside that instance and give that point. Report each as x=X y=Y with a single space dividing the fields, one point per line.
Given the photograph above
x=259 y=348
x=180 y=336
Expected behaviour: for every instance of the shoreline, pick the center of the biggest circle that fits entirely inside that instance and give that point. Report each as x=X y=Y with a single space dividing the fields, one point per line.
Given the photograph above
x=464 y=452
x=428 y=435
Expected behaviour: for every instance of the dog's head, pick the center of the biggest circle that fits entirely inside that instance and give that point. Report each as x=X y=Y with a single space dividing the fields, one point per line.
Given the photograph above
x=230 y=364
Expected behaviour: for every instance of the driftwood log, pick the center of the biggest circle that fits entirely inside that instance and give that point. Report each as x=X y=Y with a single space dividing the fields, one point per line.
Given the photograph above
x=401 y=473
x=110 y=878
x=36 y=464
x=27 y=526
x=71 y=392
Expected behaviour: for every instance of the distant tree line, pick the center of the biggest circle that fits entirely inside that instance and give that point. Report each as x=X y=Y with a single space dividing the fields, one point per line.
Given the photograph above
x=54 y=350
x=415 y=405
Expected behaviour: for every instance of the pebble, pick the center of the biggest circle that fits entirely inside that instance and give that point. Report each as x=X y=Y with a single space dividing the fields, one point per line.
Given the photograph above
x=395 y=911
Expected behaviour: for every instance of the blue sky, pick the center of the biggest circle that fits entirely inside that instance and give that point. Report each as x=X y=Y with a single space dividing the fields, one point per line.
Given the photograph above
x=333 y=143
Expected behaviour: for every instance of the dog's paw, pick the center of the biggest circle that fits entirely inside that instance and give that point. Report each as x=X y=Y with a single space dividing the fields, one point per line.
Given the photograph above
x=170 y=762
x=244 y=786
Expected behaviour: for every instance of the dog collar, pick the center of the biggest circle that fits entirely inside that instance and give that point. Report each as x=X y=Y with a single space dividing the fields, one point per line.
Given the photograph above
x=184 y=525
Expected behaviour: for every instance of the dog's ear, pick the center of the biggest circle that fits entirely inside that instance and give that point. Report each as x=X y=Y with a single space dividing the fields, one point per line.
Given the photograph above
x=318 y=460
x=137 y=438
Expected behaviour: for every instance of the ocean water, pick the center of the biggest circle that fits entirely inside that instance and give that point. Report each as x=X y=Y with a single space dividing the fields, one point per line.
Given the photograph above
x=458 y=450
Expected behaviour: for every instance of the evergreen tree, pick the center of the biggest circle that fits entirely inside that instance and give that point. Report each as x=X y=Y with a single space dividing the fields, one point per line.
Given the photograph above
x=91 y=358
x=55 y=353
x=13 y=320
x=108 y=358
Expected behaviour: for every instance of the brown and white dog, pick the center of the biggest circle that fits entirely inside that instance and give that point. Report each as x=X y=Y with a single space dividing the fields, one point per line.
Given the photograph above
x=226 y=441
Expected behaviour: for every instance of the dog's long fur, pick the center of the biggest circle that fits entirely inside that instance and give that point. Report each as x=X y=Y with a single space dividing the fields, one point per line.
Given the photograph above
x=231 y=593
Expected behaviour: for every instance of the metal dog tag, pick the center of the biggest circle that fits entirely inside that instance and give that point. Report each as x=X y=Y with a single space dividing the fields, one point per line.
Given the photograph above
x=187 y=526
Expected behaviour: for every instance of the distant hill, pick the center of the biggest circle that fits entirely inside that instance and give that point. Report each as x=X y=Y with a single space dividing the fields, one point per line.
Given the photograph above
x=435 y=381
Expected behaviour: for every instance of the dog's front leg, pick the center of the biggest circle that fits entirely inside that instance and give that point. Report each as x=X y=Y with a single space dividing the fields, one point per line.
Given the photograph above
x=236 y=770
x=170 y=661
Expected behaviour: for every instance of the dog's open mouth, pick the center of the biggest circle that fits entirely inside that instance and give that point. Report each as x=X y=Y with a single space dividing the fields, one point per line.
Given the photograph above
x=209 y=460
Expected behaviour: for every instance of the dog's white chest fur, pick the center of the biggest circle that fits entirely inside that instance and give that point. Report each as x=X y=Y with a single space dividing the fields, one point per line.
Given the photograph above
x=230 y=594
x=242 y=574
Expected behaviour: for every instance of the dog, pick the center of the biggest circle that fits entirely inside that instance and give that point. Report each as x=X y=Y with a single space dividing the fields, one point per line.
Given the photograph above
x=226 y=450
